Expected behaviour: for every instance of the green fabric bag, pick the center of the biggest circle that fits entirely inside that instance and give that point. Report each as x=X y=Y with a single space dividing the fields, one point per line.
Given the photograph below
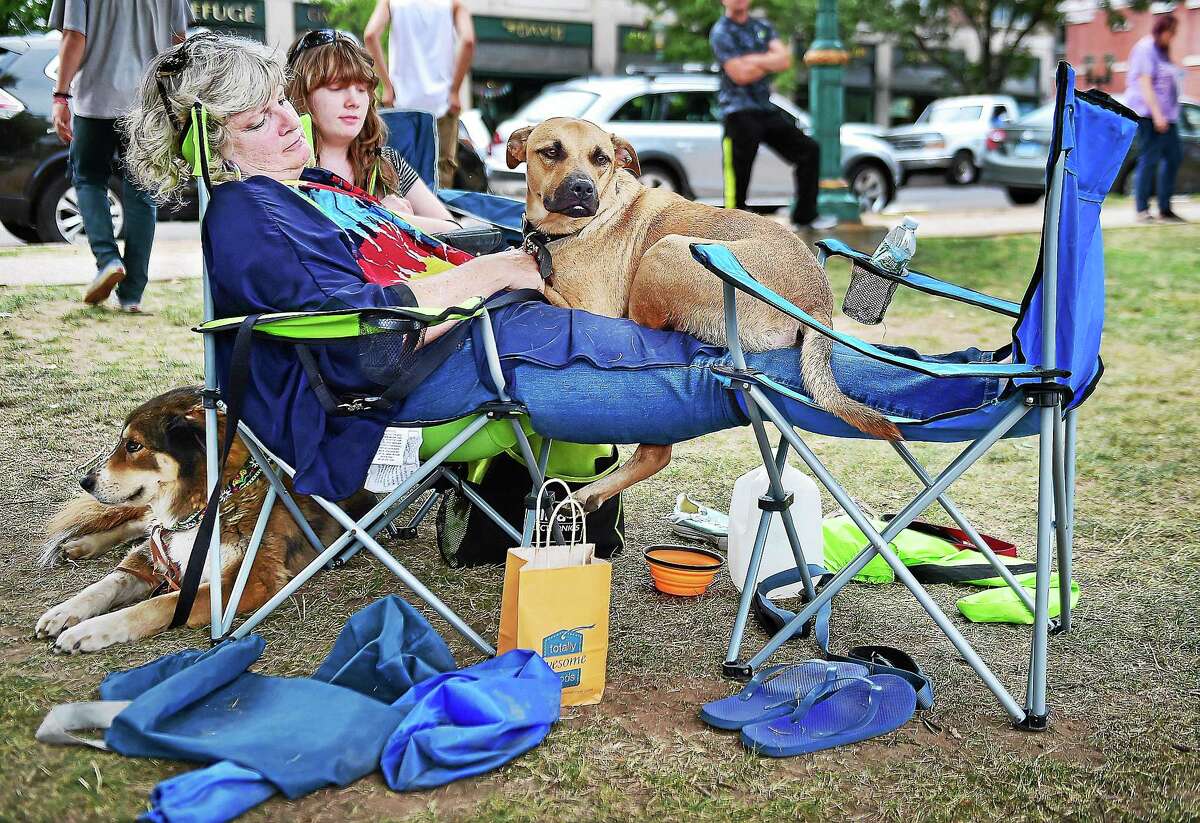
x=843 y=540
x=1001 y=605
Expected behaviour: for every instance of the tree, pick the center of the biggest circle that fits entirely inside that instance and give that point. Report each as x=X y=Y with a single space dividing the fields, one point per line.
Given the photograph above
x=349 y=15
x=1000 y=29
x=23 y=16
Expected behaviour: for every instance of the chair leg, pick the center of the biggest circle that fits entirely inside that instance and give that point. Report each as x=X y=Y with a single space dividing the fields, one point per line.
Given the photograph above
x=1064 y=512
x=878 y=543
x=773 y=503
x=243 y=575
x=965 y=524
x=357 y=531
x=1035 y=699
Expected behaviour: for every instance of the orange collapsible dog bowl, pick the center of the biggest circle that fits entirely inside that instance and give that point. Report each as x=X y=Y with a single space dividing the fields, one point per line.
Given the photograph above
x=682 y=570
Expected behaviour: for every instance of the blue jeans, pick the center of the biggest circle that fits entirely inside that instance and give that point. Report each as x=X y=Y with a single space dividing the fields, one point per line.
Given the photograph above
x=1160 y=156
x=92 y=150
x=589 y=379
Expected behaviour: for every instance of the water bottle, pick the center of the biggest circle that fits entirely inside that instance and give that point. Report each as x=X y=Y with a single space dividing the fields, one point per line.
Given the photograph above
x=897 y=248
x=869 y=295
x=744 y=515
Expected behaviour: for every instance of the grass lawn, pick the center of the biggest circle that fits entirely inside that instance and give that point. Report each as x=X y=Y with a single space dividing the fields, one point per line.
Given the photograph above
x=1125 y=729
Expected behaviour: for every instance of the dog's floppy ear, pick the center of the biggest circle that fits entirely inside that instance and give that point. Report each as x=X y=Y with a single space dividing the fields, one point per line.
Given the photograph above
x=626 y=157
x=515 y=153
x=186 y=431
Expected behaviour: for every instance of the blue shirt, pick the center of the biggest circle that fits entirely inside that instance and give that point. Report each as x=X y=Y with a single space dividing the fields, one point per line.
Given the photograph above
x=730 y=40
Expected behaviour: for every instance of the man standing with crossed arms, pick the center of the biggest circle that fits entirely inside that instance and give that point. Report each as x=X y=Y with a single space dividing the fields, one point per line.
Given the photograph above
x=750 y=51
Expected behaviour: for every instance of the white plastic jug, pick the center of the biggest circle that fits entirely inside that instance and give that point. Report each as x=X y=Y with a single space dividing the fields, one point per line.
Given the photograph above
x=744 y=515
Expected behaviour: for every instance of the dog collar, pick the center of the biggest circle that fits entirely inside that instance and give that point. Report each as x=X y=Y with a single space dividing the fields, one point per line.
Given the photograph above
x=250 y=473
x=536 y=242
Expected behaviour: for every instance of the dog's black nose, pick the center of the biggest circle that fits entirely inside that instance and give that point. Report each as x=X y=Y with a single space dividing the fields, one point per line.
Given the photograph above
x=583 y=188
x=88 y=481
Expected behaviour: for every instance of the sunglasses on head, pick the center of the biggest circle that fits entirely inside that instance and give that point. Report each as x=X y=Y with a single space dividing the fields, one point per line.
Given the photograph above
x=319 y=37
x=173 y=65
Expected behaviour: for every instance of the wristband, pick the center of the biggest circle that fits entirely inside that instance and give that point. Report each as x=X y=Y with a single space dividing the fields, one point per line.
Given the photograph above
x=62 y=95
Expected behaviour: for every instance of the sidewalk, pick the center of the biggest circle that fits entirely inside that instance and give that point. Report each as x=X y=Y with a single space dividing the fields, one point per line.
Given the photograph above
x=179 y=257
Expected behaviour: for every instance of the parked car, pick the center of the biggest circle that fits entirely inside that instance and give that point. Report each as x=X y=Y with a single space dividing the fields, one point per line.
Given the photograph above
x=1016 y=156
x=37 y=200
x=673 y=123
x=951 y=134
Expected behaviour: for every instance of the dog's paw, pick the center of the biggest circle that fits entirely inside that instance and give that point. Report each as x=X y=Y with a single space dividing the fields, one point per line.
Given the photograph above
x=61 y=617
x=92 y=635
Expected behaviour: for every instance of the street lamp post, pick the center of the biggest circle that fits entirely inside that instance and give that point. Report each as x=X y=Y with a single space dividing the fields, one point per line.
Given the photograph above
x=826 y=59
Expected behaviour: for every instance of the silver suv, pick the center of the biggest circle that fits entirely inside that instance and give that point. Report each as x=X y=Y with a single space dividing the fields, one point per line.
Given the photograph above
x=951 y=134
x=673 y=123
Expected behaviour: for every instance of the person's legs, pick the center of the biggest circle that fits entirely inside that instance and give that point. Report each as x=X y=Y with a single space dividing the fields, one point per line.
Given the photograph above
x=743 y=130
x=91 y=164
x=140 y=216
x=1150 y=151
x=804 y=156
x=447 y=126
x=1172 y=155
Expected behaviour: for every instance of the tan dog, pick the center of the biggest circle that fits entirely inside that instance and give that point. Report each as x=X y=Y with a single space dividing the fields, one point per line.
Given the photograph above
x=156 y=474
x=622 y=250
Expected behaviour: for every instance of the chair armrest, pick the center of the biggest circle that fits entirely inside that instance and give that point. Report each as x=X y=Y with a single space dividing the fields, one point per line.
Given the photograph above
x=505 y=213
x=341 y=323
x=474 y=240
x=721 y=261
x=922 y=282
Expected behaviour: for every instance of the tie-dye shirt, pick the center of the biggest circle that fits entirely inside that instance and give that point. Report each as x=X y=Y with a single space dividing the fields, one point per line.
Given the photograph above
x=388 y=249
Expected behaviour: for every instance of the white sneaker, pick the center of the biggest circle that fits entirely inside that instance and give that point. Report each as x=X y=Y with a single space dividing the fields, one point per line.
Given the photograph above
x=823 y=223
x=106 y=280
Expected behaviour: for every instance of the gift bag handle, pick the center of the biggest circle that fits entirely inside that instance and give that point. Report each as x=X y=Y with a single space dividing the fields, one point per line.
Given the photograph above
x=578 y=516
x=537 y=510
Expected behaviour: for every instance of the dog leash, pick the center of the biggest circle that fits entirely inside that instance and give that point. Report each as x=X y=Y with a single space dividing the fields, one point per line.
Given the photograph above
x=250 y=473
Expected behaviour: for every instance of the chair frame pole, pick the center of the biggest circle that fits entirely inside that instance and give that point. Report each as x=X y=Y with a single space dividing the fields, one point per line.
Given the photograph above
x=879 y=543
x=963 y=523
x=211 y=446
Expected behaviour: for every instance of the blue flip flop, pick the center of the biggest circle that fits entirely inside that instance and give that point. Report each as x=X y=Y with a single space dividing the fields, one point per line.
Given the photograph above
x=836 y=712
x=774 y=692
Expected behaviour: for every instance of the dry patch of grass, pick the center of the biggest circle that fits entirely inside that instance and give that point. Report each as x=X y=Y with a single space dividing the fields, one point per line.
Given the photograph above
x=1123 y=686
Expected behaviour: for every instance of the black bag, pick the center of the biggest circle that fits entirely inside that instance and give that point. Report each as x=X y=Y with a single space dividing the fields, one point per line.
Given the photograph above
x=468 y=537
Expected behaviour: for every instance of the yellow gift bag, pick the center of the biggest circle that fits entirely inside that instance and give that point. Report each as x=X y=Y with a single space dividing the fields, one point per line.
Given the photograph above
x=555 y=602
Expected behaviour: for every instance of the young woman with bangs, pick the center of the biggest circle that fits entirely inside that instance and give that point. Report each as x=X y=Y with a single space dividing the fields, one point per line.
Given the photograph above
x=332 y=79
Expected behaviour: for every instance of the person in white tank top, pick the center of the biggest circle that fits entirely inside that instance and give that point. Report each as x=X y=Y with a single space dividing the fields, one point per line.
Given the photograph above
x=430 y=46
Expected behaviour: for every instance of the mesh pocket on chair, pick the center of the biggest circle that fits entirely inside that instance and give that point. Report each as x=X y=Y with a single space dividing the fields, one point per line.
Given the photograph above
x=451 y=522
x=868 y=296
x=386 y=346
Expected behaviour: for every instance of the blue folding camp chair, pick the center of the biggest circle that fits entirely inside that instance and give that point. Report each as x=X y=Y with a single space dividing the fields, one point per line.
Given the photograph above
x=1048 y=370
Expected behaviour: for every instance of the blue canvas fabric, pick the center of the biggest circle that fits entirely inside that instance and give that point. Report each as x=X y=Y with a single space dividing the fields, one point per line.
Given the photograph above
x=1096 y=139
x=471 y=721
x=221 y=792
x=299 y=733
x=413 y=134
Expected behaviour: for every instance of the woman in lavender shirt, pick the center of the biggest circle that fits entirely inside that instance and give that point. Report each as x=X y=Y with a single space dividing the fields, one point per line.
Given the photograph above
x=1153 y=93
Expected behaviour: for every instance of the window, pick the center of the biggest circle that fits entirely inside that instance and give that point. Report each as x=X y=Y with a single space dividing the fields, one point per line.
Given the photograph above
x=638 y=110
x=557 y=103
x=951 y=114
x=689 y=107
x=1189 y=119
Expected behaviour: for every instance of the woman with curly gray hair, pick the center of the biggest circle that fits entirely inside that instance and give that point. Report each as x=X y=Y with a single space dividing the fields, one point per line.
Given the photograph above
x=279 y=236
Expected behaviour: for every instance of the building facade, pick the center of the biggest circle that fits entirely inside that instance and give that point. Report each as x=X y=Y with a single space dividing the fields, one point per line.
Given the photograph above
x=1099 y=51
x=523 y=45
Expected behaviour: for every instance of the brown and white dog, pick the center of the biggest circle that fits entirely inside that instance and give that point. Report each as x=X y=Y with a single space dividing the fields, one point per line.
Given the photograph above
x=155 y=476
x=621 y=249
